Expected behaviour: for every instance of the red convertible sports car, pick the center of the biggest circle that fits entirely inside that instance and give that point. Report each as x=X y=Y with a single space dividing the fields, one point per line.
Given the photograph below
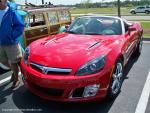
x=85 y=63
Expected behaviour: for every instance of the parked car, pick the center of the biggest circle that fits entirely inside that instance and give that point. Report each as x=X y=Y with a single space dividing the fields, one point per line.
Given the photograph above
x=141 y=9
x=41 y=22
x=85 y=63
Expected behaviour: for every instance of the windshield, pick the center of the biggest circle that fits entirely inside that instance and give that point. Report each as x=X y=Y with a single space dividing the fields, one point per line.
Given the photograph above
x=96 y=26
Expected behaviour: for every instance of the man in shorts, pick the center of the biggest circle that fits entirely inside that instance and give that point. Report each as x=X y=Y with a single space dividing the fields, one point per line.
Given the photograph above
x=11 y=27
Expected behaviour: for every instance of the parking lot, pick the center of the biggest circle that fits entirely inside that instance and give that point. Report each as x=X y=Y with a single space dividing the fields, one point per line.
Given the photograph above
x=133 y=98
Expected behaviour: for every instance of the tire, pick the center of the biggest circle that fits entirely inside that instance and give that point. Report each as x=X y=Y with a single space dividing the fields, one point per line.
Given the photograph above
x=116 y=80
x=133 y=12
x=147 y=12
x=139 y=47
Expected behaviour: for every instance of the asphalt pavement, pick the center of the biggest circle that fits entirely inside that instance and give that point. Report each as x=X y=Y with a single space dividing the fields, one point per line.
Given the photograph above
x=135 y=17
x=136 y=74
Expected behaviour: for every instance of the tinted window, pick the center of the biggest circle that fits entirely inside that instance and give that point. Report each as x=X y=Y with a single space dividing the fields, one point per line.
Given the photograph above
x=63 y=16
x=35 y=20
x=96 y=25
x=140 y=7
x=52 y=17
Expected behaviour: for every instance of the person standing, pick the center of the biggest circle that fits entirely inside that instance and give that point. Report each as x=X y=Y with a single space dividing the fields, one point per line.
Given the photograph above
x=11 y=27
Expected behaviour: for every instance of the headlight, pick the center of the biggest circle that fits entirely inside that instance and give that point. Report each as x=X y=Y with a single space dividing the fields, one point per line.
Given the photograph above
x=26 y=55
x=92 y=67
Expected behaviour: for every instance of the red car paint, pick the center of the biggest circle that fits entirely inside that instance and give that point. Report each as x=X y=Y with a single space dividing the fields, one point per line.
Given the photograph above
x=71 y=51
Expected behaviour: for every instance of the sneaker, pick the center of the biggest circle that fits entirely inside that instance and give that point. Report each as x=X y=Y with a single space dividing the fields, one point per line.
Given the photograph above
x=15 y=84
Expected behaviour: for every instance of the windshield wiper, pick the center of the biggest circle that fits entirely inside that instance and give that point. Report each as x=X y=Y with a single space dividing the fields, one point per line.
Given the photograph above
x=72 y=32
x=93 y=33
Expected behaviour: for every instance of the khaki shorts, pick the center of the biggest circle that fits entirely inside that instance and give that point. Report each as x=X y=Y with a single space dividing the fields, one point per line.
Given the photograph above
x=11 y=53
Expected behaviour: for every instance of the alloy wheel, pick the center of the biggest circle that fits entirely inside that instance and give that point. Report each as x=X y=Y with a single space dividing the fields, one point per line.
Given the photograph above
x=117 y=78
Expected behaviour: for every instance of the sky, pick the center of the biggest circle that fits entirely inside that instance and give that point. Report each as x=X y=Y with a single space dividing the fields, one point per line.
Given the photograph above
x=57 y=2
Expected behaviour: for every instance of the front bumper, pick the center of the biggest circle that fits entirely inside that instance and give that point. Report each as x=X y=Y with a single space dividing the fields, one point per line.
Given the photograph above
x=67 y=88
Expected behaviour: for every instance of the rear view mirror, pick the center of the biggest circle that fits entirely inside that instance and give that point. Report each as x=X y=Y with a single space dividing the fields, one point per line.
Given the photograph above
x=130 y=29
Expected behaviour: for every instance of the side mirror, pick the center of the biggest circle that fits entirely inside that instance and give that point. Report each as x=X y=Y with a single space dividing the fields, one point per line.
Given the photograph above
x=130 y=29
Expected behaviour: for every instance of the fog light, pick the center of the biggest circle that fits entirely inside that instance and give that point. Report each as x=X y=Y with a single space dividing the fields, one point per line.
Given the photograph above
x=91 y=90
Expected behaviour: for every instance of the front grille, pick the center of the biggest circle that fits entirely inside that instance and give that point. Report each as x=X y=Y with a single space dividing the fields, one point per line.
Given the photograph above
x=49 y=70
x=36 y=68
x=49 y=91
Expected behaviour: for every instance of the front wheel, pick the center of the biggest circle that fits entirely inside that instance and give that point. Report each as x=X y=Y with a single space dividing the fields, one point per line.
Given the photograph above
x=116 y=80
x=133 y=12
x=147 y=12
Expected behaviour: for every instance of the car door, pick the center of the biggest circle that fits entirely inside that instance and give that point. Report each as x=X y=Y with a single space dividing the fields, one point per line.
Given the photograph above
x=36 y=27
x=140 y=10
x=130 y=43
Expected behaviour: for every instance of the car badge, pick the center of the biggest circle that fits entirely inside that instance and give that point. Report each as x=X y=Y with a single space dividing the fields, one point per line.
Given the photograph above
x=44 y=70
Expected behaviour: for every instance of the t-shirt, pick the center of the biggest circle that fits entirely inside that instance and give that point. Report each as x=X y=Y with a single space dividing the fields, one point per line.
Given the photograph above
x=2 y=13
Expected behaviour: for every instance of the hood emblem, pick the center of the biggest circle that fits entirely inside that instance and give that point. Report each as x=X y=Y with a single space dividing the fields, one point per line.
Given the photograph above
x=44 y=70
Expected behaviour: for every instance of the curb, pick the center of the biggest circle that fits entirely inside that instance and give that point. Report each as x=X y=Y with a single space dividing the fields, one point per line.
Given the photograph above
x=146 y=39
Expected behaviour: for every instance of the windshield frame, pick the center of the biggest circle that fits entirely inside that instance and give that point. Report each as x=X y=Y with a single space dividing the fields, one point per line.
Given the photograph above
x=98 y=18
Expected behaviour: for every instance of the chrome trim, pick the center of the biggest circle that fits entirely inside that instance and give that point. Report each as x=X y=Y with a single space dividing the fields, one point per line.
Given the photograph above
x=45 y=69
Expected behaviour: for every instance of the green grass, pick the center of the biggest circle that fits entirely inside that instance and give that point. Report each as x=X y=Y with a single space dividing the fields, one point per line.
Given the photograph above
x=107 y=11
x=146 y=28
x=93 y=10
x=145 y=24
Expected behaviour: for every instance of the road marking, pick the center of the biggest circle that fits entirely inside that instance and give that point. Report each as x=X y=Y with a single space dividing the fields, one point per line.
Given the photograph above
x=147 y=42
x=8 y=78
x=4 y=80
x=142 y=104
x=3 y=66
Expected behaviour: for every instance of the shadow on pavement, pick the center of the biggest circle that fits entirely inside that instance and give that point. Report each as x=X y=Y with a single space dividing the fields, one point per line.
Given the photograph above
x=4 y=92
x=23 y=99
x=129 y=65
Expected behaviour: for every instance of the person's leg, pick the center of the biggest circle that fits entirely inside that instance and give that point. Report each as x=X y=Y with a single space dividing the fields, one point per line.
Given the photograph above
x=14 y=55
x=15 y=69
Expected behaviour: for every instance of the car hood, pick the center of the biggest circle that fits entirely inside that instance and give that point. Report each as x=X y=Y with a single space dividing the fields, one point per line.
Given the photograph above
x=69 y=50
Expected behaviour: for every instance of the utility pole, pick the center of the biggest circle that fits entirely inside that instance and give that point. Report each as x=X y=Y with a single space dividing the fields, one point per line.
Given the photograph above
x=119 y=11
x=42 y=1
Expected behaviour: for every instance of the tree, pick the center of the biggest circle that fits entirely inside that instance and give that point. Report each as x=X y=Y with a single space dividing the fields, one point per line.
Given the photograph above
x=119 y=12
x=12 y=0
x=42 y=1
x=86 y=4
